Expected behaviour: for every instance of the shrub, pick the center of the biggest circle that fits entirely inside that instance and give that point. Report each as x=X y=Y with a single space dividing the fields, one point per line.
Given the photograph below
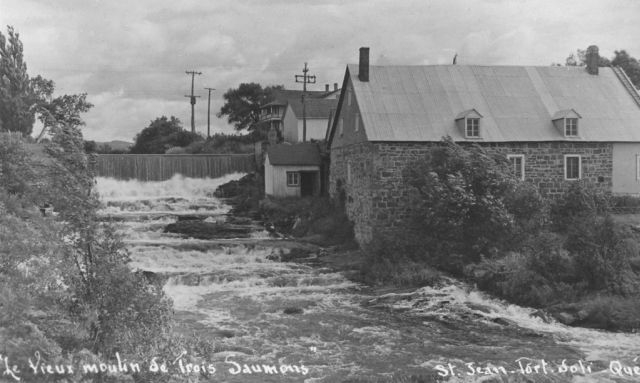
x=465 y=201
x=603 y=251
x=541 y=273
x=625 y=201
x=308 y=216
x=388 y=262
x=611 y=312
x=581 y=200
x=530 y=211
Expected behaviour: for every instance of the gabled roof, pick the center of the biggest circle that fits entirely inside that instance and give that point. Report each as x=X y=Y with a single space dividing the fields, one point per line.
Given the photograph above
x=279 y=103
x=317 y=107
x=420 y=103
x=565 y=113
x=305 y=153
x=468 y=113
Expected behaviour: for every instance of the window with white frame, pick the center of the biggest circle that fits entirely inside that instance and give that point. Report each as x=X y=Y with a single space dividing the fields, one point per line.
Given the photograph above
x=348 y=97
x=340 y=127
x=472 y=128
x=517 y=165
x=356 y=122
x=637 y=167
x=293 y=179
x=571 y=127
x=572 y=167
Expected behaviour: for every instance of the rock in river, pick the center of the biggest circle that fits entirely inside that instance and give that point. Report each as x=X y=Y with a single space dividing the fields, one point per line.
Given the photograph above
x=208 y=230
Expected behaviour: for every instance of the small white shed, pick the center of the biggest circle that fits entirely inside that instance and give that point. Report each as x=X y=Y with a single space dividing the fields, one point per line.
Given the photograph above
x=292 y=170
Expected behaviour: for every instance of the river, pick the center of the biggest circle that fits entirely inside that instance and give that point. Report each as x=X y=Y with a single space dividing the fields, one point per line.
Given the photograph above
x=300 y=322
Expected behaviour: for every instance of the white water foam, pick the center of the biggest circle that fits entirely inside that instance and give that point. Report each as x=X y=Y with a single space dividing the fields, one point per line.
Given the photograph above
x=455 y=297
x=178 y=186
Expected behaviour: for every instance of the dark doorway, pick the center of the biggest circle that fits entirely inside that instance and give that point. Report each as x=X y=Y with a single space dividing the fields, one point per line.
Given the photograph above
x=307 y=183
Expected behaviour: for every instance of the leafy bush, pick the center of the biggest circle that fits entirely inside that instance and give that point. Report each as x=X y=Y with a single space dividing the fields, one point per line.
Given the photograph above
x=14 y=172
x=387 y=262
x=611 y=312
x=310 y=216
x=552 y=268
x=465 y=201
x=623 y=201
x=603 y=251
x=582 y=200
x=541 y=273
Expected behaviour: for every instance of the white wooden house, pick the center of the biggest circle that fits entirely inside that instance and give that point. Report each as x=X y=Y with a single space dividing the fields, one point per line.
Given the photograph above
x=292 y=170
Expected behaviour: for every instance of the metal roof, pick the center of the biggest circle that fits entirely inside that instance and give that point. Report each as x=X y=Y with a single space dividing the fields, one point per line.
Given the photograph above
x=467 y=113
x=316 y=106
x=566 y=113
x=297 y=154
x=420 y=103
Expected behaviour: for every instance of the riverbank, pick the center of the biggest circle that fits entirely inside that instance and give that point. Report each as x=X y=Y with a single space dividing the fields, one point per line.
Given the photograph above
x=318 y=222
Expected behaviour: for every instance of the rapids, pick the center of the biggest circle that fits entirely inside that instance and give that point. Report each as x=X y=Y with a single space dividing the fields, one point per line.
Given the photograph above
x=296 y=322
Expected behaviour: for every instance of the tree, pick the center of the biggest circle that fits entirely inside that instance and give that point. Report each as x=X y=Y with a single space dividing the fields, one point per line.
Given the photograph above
x=579 y=58
x=71 y=269
x=242 y=105
x=21 y=97
x=162 y=134
x=62 y=111
x=621 y=58
x=18 y=93
x=630 y=65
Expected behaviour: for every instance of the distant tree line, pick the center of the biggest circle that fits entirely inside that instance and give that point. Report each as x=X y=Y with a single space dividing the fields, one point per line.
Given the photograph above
x=621 y=58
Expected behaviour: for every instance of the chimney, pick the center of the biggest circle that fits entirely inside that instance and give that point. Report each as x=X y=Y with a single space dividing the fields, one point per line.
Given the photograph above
x=592 y=58
x=335 y=86
x=363 y=68
x=326 y=87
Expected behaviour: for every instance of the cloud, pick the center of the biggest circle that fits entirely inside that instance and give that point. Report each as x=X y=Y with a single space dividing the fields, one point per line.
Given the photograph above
x=131 y=56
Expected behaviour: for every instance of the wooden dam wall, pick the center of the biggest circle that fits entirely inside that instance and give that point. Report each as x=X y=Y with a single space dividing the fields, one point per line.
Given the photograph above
x=160 y=167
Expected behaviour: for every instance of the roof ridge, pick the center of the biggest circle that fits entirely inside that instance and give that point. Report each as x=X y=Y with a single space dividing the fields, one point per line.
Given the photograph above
x=568 y=68
x=626 y=81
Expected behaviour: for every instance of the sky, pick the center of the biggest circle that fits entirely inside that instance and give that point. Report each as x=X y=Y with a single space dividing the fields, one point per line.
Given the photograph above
x=130 y=57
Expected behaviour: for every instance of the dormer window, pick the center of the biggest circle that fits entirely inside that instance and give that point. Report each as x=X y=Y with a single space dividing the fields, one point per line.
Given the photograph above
x=469 y=123
x=473 y=128
x=567 y=122
x=571 y=127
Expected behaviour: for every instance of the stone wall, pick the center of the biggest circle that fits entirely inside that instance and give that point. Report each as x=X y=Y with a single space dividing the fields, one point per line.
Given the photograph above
x=351 y=183
x=544 y=163
x=375 y=195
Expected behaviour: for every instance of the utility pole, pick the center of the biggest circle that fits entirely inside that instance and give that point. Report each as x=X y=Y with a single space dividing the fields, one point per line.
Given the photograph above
x=209 y=113
x=305 y=79
x=193 y=99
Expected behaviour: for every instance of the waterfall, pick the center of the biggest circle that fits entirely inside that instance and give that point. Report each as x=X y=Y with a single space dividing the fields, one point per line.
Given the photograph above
x=160 y=167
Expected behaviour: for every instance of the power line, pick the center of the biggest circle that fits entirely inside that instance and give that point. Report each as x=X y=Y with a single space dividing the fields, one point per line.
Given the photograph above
x=193 y=99
x=305 y=79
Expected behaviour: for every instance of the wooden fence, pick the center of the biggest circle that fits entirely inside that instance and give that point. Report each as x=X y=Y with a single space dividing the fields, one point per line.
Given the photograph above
x=160 y=167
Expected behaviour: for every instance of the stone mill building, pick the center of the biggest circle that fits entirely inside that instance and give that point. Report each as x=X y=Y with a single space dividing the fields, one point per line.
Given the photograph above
x=555 y=124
